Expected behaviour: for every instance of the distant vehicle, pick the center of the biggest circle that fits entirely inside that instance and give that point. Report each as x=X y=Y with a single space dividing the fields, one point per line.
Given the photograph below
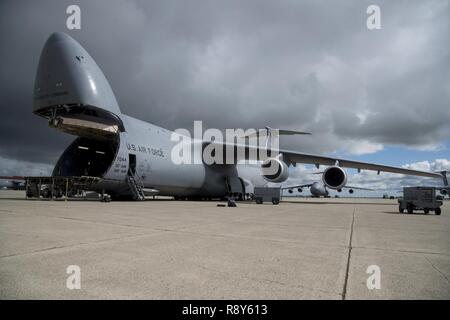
x=419 y=198
x=443 y=191
x=267 y=194
x=319 y=189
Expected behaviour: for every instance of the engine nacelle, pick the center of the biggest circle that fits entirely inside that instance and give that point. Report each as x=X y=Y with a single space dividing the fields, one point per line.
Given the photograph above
x=334 y=177
x=274 y=170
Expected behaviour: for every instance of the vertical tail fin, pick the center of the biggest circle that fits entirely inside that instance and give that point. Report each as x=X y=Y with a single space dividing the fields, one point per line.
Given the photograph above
x=444 y=177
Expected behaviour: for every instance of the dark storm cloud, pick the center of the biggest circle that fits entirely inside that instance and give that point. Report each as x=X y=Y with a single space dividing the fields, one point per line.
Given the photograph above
x=310 y=65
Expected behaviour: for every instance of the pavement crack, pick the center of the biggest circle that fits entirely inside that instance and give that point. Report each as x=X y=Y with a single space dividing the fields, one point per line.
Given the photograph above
x=347 y=269
x=435 y=268
x=76 y=245
x=401 y=250
x=97 y=222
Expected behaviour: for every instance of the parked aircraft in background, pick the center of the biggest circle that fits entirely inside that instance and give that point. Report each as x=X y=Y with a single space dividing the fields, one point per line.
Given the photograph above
x=445 y=191
x=319 y=189
x=132 y=156
x=14 y=183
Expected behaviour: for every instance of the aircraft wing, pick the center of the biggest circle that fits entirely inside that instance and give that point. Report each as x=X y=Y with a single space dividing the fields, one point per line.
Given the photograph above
x=292 y=157
x=299 y=186
x=297 y=157
x=358 y=188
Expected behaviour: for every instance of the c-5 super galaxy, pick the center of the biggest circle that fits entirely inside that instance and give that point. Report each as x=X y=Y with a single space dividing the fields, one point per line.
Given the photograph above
x=132 y=156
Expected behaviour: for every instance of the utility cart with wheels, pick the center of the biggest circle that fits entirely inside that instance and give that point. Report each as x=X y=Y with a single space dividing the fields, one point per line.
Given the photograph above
x=419 y=198
x=267 y=194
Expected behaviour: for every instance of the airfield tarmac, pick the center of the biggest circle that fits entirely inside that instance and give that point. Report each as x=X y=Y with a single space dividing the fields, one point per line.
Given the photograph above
x=164 y=249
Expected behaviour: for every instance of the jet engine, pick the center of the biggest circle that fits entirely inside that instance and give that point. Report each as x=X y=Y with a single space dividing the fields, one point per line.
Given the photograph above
x=334 y=177
x=274 y=170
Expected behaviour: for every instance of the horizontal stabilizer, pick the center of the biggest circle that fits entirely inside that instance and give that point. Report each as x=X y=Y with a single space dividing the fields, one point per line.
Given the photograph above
x=444 y=177
x=274 y=132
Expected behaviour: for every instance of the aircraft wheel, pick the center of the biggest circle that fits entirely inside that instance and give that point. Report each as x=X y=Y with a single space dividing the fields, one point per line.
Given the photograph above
x=400 y=209
x=437 y=211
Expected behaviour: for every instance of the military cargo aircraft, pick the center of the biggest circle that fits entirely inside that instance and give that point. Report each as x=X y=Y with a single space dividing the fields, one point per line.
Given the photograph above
x=132 y=156
x=319 y=189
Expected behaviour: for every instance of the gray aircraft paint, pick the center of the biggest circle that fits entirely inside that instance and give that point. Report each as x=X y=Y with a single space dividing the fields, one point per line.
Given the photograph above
x=68 y=75
x=70 y=86
x=318 y=189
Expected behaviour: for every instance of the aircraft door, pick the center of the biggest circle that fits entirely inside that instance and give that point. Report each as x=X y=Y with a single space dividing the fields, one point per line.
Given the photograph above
x=131 y=163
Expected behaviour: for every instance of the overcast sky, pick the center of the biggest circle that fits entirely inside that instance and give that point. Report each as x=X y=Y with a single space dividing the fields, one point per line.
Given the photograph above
x=376 y=95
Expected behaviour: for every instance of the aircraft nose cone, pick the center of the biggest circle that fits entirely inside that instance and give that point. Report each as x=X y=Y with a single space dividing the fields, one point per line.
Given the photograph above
x=61 y=46
x=59 y=37
x=67 y=75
